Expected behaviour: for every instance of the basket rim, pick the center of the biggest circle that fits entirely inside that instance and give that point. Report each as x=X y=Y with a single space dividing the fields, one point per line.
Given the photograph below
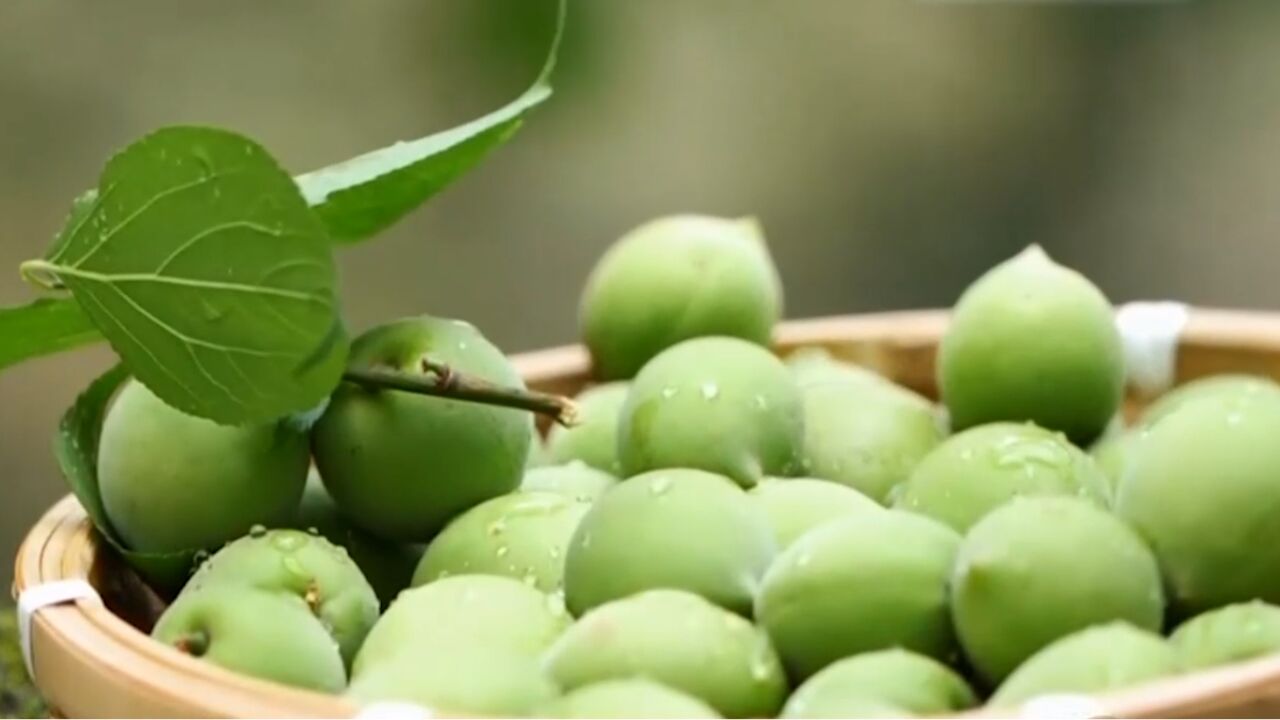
x=62 y=545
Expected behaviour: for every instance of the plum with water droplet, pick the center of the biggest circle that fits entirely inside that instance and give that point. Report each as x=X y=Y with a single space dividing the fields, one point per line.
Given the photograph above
x=1229 y=634
x=680 y=528
x=524 y=536
x=297 y=563
x=1097 y=659
x=676 y=278
x=627 y=698
x=867 y=583
x=272 y=636
x=976 y=471
x=575 y=479
x=1040 y=568
x=594 y=438
x=172 y=481
x=794 y=506
x=401 y=465
x=1201 y=487
x=1032 y=340
x=678 y=639
x=884 y=683
x=464 y=610
x=717 y=404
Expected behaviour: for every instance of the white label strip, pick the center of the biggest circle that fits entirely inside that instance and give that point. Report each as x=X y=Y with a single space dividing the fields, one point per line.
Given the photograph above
x=41 y=596
x=394 y=711
x=1062 y=707
x=1150 y=332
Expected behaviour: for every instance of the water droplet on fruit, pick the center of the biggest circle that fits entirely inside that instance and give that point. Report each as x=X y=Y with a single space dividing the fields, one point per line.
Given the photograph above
x=462 y=346
x=313 y=530
x=293 y=567
x=497 y=527
x=288 y=542
x=710 y=391
x=761 y=402
x=668 y=392
x=555 y=603
x=554 y=552
x=503 y=550
x=761 y=664
x=660 y=485
x=257 y=531
x=530 y=579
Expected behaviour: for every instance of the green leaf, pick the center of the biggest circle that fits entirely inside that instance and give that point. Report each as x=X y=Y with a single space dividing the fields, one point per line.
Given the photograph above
x=76 y=447
x=43 y=327
x=201 y=263
x=364 y=195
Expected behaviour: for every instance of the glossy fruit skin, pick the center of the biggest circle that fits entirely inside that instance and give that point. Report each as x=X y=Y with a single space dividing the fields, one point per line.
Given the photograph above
x=477 y=680
x=388 y=566
x=717 y=404
x=1032 y=340
x=676 y=278
x=975 y=471
x=1225 y=385
x=628 y=698
x=680 y=640
x=575 y=479
x=794 y=506
x=594 y=439
x=1040 y=568
x=272 y=636
x=523 y=536
x=867 y=436
x=484 y=610
x=1199 y=488
x=401 y=465
x=294 y=562
x=638 y=537
x=1229 y=634
x=172 y=481
x=1094 y=660
x=867 y=583
x=906 y=683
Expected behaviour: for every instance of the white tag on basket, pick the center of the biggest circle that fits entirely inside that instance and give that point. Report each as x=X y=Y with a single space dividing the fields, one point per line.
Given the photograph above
x=394 y=711
x=1150 y=332
x=1065 y=706
x=41 y=596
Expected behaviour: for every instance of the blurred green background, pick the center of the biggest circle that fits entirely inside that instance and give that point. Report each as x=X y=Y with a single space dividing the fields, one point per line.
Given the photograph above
x=892 y=150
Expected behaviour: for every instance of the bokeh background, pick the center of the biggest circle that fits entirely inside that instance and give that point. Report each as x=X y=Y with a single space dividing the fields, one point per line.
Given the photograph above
x=892 y=150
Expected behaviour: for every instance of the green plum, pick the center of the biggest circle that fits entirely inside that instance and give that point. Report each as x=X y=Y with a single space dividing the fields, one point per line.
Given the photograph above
x=172 y=481
x=628 y=698
x=479 y=680
x=867 y=583
x=1033 y=340
x=679 y=639
x=1225 y=385
x=869 y=437
x=676 y=278
x=594 y=439
x=794 y=506
x=575 y=479
x=1040 y=568
x=977 y=470
x=522 y=536
x=306 y=566
x=681 y=528
x=272 y=636
x=464 y=610
x=388 y=566
x=817 y=366
x=1111 y=454
x=401 y=465
x=1200 y=487
x=1230 y=634
x=717 y=404
x=900 y=681
x=1105 y=657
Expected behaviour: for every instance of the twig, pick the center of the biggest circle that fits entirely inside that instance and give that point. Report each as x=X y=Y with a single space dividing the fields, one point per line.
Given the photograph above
x=440 y=380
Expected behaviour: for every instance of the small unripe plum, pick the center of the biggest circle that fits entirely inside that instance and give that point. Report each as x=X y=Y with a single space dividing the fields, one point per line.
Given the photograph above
x=885 y=683
x=1032 y=340
x=676 y=278
x=172 y=481
x=594 y=438
x=1230 y=634
x=401 y=465
x=576 y=479
x=717 y=404
x=627 y=698
x=794 y=506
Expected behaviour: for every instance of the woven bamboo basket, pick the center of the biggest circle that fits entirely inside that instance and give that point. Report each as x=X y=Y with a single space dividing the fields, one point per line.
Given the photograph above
x=96 y=660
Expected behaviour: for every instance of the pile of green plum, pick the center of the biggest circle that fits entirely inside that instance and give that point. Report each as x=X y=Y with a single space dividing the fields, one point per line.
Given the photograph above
x=726 y=532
